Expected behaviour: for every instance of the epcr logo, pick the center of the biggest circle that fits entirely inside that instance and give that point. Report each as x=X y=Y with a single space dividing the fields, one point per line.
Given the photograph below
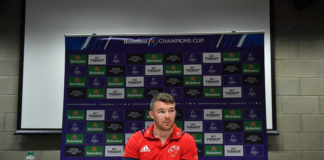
x=153 y=41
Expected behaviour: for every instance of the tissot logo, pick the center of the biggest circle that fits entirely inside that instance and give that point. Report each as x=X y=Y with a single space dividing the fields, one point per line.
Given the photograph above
x=193 y=126
x=173 y=58
x=212 y=114
x=73 y=151
x=114 y=126
x=134 y=81
x=233 y=150
x=153 y=69
x=99 y=59
x=232 y=92
x=212 y=80
x=116 y=70
x=134 y=115
x=212 y=57
x=192 y=69
x=76 y=93
x=115 y=93
x=114 y=151
x=95 y=115
x=135 y=59
x=213 y=138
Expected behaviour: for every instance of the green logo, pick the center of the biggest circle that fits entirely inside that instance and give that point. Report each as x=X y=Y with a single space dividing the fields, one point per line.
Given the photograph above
x=214 y=150
x=74 y=139
x=154 y=58
x=95 y=126
x=251 y=68
x=96 y=70
x=75 y=114
x=115 y=81
x=231 y=57
x=147 y=116
x=114 y=138
x=253 y=126
x=94 y=151
x=179 y=124
x=232 y=114
x=212 y=92
x=78 y=59
x=173 y=69
x=77 y=82
x=198 y=137
x=96 y=93
x=134 y=93
x=192 y=81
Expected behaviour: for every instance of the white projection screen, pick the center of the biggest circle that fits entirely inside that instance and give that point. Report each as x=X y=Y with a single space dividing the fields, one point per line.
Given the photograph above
x=48 y=21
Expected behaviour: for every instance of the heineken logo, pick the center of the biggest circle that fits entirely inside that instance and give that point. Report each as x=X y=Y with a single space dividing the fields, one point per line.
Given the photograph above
x=95 y=126
x=212 y=92
x=96 y=93
x=173 y=69
x=96 y=70
x=198 y=137
x=115 y=81
x=134 y=93
x=251 y=68
x=154 y=58
x=192 y=80
x=114 y=138
x=74 y=139
x=78 y=59
x=77 y=81
x=255 y=126
x=212 y=57
x=214 y=150
x=231 y=57
x=75 y=114
x=232 y=114
x=94 y=151
x=97 y=59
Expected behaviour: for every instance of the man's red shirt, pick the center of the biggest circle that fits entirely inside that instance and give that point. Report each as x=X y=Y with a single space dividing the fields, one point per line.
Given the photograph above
x=142 y=145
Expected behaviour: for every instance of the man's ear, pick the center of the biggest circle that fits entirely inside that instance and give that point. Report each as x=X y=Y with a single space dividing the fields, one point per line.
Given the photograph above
x=151 y=114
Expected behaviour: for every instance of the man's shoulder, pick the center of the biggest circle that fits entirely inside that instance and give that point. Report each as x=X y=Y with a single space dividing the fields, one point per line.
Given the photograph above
x=186 y=136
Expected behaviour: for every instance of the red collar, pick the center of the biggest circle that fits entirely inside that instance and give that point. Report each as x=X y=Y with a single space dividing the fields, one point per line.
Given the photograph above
x=176 y=133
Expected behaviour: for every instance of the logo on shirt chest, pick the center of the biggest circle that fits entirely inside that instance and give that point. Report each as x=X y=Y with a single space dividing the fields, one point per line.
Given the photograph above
x=173 y=150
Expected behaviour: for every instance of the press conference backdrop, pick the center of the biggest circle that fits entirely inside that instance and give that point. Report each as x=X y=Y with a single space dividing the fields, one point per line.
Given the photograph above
x=47 y=21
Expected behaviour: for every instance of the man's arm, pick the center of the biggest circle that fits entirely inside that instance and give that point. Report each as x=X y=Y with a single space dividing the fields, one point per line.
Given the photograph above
x=189 y=148
x=131 y=151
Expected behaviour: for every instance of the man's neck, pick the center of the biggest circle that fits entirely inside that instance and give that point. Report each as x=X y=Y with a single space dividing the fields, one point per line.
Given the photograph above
x=162 y=134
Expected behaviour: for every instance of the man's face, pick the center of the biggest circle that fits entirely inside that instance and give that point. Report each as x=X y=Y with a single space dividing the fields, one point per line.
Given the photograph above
x=163 y=115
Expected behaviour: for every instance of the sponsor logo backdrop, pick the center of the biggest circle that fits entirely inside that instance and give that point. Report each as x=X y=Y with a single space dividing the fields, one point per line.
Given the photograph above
x=217 y=81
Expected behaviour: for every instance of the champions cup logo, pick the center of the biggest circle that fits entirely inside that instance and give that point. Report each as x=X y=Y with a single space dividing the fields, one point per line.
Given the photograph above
x=153 y=41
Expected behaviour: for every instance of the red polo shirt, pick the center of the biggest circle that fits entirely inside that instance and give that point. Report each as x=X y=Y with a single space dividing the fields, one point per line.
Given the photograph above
x=142 y=145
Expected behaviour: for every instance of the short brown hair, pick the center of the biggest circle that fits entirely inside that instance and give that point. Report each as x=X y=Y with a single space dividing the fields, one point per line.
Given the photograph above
x=163 y=97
